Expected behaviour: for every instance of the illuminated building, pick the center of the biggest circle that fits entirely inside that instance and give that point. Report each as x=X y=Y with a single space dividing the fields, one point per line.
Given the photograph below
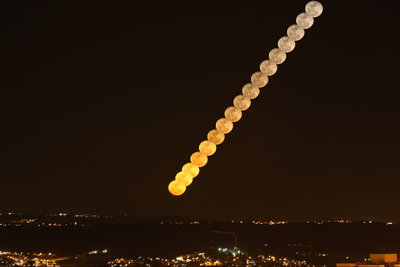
x=375 y=260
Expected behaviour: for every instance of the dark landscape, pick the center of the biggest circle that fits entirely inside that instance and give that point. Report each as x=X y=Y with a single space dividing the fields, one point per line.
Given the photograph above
x=170 y=236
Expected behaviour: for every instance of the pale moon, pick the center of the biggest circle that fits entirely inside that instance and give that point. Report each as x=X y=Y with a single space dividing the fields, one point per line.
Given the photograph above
x=250 y=90
x=268 y=67
x=277 y=56
x=233 y=114
x=242 y=102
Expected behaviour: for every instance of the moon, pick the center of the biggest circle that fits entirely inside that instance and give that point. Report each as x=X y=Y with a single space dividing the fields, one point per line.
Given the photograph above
x=242 y=102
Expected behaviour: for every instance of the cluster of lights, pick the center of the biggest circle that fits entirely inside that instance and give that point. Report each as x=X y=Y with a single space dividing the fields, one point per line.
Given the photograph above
x=201 y=259
x=329 y=221
x=230 y=256
x=242 y=102
x=26 y=259
x=282 y=261
x=269 y=223
x=196 y=259
x=94 y=252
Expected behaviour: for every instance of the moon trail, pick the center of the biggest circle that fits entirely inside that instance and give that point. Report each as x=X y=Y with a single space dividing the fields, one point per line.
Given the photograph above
x=242 y=102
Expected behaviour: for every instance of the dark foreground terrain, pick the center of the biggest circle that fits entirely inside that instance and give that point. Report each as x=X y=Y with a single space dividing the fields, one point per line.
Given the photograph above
x=325 y=243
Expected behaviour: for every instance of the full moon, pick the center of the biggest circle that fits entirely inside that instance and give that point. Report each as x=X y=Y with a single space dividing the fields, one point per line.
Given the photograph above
x=176 y=188
x=207 y=148
x=184 y=178
x=233 y=114
x=250 y=91
x=241 y=102
x=224 y=125
x=199 y=159
x=192 y=169
x=216 y=136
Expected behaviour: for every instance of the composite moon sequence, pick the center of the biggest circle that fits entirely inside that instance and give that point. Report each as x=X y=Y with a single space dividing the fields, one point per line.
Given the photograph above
x=242 y=102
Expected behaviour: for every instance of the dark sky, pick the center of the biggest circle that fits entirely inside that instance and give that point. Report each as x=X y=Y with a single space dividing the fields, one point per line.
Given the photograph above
x=102 y=103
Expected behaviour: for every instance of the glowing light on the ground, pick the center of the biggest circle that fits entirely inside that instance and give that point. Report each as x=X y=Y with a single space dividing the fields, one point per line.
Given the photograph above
x=242 y=102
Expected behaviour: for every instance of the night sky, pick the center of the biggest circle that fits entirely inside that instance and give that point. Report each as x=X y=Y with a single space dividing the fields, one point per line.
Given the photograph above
x=102 y=103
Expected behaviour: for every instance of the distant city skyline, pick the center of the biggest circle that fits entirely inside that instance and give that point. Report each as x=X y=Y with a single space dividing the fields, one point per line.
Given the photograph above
x=20 y=219
x=84 y=239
